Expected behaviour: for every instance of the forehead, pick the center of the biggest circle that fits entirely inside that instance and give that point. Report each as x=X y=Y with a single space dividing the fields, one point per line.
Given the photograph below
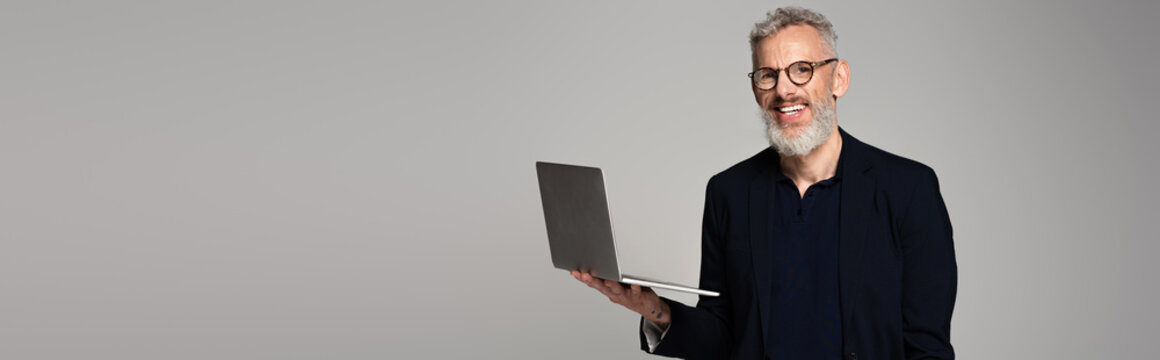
x=790 y=44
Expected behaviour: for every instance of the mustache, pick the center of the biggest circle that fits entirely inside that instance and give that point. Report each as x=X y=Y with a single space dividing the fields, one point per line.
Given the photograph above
x=779 y=102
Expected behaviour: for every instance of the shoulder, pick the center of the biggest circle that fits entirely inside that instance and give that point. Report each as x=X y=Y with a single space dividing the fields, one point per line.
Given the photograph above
x=900 y=182
x=889 y=167
x=741 y=174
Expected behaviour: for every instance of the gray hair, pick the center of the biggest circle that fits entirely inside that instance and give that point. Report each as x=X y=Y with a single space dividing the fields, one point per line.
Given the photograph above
x=793 y=15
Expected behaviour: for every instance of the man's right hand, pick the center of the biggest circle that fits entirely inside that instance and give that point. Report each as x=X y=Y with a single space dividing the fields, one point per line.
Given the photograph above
x=641 y=300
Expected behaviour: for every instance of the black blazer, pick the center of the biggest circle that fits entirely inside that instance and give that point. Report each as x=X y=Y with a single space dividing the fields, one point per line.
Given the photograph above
x=897 y=271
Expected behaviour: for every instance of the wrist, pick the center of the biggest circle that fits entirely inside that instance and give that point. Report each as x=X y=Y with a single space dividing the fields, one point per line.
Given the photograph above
x=659 y=314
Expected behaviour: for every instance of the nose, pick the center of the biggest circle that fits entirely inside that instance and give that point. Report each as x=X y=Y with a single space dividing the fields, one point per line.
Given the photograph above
x=785 y=88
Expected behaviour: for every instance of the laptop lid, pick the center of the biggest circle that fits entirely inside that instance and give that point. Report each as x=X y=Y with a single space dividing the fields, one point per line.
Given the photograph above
x=577 y=217
x=579 y=224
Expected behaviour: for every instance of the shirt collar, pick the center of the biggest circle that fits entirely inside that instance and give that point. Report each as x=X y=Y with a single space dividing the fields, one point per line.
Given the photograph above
x=779 y=176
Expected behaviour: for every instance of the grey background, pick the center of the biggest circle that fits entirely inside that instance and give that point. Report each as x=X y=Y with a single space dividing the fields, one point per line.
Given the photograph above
x=355 y=180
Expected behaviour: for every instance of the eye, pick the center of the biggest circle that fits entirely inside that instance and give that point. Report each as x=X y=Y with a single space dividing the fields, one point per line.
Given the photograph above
x=800 y=68
x=767 y=75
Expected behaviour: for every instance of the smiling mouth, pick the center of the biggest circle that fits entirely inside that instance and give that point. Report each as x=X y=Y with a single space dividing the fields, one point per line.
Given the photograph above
x=792 y=109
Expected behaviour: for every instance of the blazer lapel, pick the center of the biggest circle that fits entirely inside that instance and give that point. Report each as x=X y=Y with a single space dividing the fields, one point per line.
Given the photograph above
x=857 y=210
x=759 y=227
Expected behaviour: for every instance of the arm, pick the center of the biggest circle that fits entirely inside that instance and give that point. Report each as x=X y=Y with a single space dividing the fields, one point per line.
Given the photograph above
x=929 y=277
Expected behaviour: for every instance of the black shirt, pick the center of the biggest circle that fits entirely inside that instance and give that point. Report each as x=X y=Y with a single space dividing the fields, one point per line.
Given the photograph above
x=805 y=318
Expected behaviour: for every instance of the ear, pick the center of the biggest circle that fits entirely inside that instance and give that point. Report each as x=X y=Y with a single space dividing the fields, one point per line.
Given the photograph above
x=841 y=79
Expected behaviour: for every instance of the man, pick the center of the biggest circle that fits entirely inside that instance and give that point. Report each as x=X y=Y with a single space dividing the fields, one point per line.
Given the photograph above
x=821 y=246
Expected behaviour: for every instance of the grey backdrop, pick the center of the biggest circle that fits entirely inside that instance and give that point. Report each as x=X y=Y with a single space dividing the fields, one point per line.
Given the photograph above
x=355 y=180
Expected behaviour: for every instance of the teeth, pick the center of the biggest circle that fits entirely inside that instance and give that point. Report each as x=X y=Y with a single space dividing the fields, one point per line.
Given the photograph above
x=792 y=109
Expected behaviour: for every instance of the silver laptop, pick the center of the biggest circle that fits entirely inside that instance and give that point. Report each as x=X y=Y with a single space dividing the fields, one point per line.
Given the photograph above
x=580 y=226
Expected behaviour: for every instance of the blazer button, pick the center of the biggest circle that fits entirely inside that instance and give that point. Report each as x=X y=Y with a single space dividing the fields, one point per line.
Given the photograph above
x=853 y=356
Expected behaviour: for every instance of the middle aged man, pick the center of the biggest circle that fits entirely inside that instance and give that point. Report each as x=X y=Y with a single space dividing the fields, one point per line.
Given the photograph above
x=821 y=246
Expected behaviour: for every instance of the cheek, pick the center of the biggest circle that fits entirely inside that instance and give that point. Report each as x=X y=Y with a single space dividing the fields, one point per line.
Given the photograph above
x=820 y=94
x=764 y=98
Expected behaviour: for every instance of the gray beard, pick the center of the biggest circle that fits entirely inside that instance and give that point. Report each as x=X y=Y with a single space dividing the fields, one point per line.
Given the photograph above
x=808 y=138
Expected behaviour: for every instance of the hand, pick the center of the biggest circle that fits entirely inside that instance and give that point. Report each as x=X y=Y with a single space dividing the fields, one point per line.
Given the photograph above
x=641 y=300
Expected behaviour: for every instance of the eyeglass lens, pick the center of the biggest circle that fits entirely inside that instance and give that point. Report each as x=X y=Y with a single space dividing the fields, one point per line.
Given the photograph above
x=799 y=73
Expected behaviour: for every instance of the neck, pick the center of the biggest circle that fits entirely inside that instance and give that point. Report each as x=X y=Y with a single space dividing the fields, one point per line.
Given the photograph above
x=818 y=165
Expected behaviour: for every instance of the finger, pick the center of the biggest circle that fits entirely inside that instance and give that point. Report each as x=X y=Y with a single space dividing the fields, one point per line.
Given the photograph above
x=595 y=283
x=614 y=287
x=586 y=278
x=581 y=277
x=617 y=291
x=604 y=290
x=586 y=281
x=602 y=286
x=636 y=290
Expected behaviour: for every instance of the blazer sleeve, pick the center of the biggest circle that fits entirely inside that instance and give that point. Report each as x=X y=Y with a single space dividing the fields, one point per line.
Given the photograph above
x=929 y=276
x=702 y=332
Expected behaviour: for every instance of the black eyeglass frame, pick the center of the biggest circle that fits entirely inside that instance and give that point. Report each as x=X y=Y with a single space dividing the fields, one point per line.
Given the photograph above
x=777 y=73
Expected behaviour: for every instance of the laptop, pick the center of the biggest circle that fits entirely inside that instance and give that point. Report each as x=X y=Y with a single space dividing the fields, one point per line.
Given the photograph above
x=580 y=226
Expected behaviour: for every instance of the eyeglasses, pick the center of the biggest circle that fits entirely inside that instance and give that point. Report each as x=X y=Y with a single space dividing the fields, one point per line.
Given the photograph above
x=799 y=73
